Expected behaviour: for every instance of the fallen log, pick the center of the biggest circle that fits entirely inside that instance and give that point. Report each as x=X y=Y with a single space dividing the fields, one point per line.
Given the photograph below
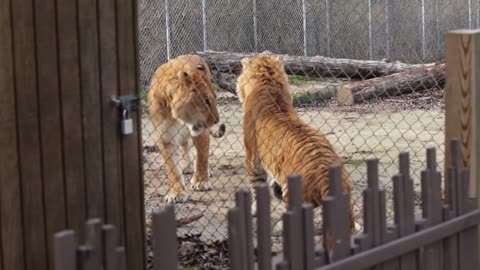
x=312 y=66
x=405 y=82
x=224 y=83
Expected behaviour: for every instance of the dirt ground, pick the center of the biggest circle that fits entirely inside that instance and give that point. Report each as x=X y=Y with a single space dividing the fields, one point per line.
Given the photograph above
x=379 y=128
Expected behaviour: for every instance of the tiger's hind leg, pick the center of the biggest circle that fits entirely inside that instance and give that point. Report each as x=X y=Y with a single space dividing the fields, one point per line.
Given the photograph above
x=255 y=174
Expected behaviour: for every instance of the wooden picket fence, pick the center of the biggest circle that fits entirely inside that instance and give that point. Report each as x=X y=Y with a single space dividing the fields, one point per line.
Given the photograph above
x=443 y=236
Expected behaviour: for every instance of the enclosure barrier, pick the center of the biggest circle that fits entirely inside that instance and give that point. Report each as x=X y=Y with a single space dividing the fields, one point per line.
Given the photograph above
x=444 y=234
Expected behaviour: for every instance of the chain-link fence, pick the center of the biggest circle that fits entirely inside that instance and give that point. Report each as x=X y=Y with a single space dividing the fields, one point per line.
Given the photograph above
x=408 y=118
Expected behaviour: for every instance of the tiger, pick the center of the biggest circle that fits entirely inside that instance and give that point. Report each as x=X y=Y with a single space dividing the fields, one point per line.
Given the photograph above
x=277 y=142
x=182 y=107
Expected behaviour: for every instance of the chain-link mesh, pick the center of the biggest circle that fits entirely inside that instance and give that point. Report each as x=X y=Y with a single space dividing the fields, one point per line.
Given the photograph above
x=412 y=32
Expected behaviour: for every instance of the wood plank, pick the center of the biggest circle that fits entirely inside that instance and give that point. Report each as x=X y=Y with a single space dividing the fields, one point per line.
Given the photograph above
x=11 y=228
x=110 y=118
x=164 y=238
x=308 y=234
x=109 y=245
x=335 y=217
x=91 y=117
x=50 y=121
x=234 y=239
x=247 y=212
x=28 y=135
x=71 y=115
x=461 y=119
x=65 y=250
x=242 y=230
x=264 y=240
x=121 y=258
x=461 y=102
x=467 y=239
x=131 y=144
x=293 y=224
x=93 y=235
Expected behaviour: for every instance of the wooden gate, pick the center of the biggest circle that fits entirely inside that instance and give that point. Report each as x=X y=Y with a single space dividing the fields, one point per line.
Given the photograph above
x=62 y=157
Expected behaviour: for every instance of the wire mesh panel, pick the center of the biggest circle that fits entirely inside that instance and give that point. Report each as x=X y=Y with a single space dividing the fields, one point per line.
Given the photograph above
x=286 y=16
x=230 y=25
x=351 y=49
x=152 y=47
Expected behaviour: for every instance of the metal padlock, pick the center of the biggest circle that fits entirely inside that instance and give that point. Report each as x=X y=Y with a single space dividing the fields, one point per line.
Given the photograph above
x=126 y=123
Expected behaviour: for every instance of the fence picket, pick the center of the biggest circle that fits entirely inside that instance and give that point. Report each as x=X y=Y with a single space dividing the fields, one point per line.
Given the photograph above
x=321 y=256
x=468 y=239
x=290 y=241
x=247 y=214
x=65 y=257
x=109 y=239
x=121 y=258
x=93 y=235
x=308 y=232
x=335 y=218
x=404 y=209
x=85 y=258
x=264 y=248
x=375 y=223
x=242 y=230
x=164 y=238
x=431 y=210
x=293 y=224
x=451 y=211
x=234 y=239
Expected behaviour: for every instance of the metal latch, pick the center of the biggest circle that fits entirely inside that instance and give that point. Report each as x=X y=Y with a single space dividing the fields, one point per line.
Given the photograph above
x=125 y=105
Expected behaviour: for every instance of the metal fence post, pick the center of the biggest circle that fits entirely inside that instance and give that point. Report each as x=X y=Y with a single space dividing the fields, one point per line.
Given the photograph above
x=470 y=14
x=327 y=18
x=423 y=31
x=204 y=23
x=255 y=33
x=304 y=11
x=370 y=34
x=387 y=27
x=478 y=13
x=167 y=29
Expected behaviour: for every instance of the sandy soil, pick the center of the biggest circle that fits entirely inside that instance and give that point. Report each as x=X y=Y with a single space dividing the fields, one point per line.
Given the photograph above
x=380 y=129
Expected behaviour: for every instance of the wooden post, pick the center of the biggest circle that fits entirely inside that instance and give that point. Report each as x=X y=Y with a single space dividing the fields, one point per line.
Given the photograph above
x=462 y=102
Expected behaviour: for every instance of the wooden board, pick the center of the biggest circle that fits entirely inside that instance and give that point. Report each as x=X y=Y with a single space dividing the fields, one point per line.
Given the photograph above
x=29 y=149
x=91 y=117
x=11 y=229
x=462 y=99
x=71 y=102
x=131 y=150
x=50 y=122
x=110 y=117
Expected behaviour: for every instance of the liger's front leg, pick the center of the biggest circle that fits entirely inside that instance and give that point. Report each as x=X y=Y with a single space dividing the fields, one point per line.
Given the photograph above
x=200 y=180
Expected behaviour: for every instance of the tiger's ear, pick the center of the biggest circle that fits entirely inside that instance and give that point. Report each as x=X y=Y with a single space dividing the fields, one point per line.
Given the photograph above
x=245 y=62
x=185 y=78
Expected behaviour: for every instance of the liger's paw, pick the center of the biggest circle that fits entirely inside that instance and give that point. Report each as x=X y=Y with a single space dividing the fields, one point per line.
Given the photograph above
x=201 y=186
x=177 y=197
